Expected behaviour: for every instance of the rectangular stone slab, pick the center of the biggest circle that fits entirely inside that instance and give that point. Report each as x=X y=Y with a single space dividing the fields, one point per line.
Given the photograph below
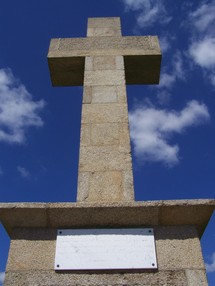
x=142 y=57
x=94 y=215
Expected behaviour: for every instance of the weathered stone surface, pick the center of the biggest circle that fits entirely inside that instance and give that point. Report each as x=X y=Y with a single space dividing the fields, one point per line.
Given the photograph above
x=119 y=62
x=87 y=95
x=103 y=158
x=178 y=248
x=83 y=186
x=85 y=134
x=105 y=134
x=50 y=278
x=106 y=113
x=124 y=136
x=106 y=186
x=104 y=94
x=31 y=254
x=36 y=212
x=130 y=214
x=170 y=214
x=196 y=278
x=88 y=64
x=104 y=63
x=104 y=77
x=105 y=46
x=104 y=22
x=128 y=185
x=142 y=57
x=121 y=94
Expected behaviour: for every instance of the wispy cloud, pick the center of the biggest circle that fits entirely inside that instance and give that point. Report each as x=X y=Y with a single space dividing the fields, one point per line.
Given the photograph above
x=203 y=52
x=165 y=42
x=202 y=44
x=210 y=267
x=148 y=11
x=23 y=172
x=151 y=130
x=203 y=18
x=2 y=276
x=176 y=71
x=18 y=111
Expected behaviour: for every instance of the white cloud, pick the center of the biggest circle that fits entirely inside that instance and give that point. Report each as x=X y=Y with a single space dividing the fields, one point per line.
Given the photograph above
x=204 y=17
x=163 y=97
x=150 y=11
x=202 y=45
x=23 y=172
x=164 y=43
x=152 y=128
x=18 y=111
x=166 y=80
x=203 y=52
x=177 y=71
x=2 y=276
x=210 y=267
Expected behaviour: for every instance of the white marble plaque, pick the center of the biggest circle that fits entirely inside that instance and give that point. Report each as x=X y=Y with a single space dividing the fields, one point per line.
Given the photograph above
x=97 y=249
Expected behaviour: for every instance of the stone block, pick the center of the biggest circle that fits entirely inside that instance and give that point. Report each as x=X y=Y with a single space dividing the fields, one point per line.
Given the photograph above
x=103 y=158
x=35 y=216
x=88 y=64
x=172 y=214
x=104 y=22
x=104 y=94
x=83 y=186
x=148 y=213
x=142 y=58
x=121 y=94
x=104 y=63
x=51 y=278
x=104 y=113
x=178 y=248
x=124 y=135
x=196 y=278
x=105 y=46
x=87 y=95
x=106 y=186
x=101 y=63
x=31 y=253
x=119 y=62
x=105 y=77
x=85 y=135
x=99 y=32
x=105 y=134
x=128 y=185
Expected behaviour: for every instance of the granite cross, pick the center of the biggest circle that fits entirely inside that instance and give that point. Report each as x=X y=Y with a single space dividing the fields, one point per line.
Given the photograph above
x=104 y=62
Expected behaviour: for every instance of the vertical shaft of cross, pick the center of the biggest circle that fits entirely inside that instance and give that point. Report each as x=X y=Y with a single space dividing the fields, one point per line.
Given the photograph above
x=105 y=168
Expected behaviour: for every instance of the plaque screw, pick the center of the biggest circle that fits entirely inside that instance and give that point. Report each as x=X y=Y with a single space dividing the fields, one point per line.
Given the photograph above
x=150 y=231
x=60 y=232
x=153 y=264
x=58 y=265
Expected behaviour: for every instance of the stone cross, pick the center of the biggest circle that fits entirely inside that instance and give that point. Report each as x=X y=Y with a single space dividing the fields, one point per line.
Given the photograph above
x=104 y=62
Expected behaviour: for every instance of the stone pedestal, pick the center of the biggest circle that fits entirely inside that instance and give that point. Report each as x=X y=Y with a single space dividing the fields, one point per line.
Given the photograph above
x=178 y=226
x=104 y=62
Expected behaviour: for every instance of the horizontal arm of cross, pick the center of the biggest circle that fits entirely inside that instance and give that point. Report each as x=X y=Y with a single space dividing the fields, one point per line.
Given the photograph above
x=142 y=58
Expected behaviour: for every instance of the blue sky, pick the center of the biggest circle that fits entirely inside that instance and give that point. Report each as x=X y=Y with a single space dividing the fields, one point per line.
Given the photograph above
x=172 y=125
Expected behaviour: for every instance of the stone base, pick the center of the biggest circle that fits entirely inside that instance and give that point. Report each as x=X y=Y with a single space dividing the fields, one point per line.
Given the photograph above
x=178 y=225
